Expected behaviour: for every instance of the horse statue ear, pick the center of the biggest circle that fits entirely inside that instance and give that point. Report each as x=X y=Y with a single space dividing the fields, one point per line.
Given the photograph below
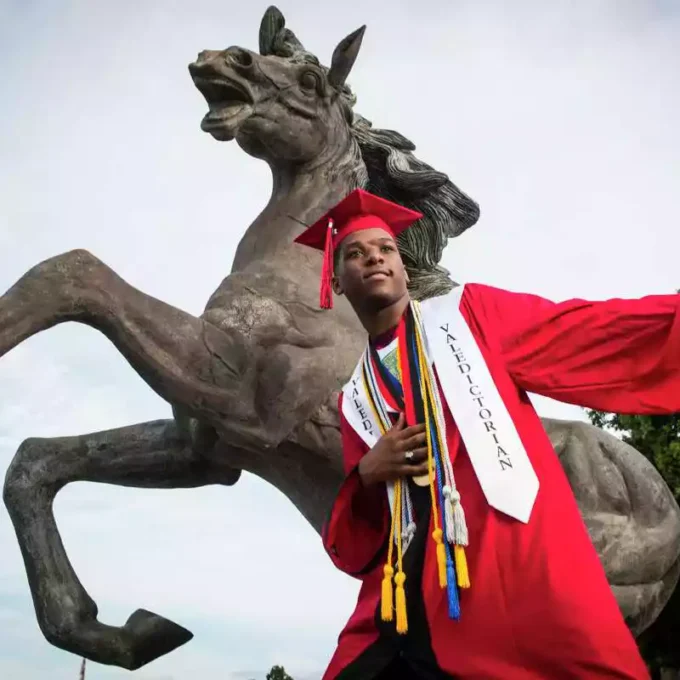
x=344 y=56
x=275 y=38
x=272 y=23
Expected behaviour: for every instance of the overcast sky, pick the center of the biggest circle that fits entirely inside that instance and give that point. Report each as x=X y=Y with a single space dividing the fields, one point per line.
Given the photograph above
x=559 y=117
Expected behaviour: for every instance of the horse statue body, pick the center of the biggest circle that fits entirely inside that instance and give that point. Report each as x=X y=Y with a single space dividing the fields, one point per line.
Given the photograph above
x=253 y=382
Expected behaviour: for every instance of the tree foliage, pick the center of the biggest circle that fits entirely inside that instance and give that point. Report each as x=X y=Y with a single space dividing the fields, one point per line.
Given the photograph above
x=278 y=673
x=655 y=437
x=658 y=439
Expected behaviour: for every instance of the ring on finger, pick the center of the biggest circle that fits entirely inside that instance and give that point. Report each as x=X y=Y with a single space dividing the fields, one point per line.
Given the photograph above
x=409 y=456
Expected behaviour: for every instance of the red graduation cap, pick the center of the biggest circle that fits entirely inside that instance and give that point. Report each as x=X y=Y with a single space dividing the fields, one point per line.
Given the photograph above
x=359 y=210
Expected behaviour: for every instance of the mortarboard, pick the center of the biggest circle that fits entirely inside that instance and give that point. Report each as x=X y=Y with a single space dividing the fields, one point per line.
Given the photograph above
x=357 y=211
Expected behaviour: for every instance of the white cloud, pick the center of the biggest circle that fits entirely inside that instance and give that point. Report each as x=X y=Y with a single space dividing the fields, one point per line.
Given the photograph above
x=559 y=118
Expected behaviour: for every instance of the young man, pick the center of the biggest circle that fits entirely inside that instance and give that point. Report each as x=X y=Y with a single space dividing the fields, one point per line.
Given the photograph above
x=483 y=568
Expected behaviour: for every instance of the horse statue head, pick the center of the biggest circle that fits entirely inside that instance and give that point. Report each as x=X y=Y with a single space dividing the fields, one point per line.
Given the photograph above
x=280 y=105
x=283 y=106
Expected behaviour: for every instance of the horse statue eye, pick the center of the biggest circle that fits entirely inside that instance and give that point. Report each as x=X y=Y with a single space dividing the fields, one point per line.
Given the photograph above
x=308 y=80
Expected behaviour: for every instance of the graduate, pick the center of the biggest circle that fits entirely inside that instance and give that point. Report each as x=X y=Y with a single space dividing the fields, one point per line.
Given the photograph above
x=455 y=513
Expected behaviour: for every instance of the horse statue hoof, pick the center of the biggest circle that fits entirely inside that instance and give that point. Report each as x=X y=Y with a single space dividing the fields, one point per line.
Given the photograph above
x=152 y=636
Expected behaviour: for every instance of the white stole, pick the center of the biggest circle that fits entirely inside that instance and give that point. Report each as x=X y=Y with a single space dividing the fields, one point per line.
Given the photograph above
x=496 y=451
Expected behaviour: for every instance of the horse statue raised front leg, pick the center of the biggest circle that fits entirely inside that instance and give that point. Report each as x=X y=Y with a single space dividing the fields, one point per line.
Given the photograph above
x=254 y=381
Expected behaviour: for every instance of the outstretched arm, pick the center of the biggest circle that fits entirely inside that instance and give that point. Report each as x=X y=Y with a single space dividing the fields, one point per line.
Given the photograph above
x=615 y=355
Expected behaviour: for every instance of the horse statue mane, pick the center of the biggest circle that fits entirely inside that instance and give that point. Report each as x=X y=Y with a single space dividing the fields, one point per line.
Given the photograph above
x=393 y=172
x=253 y=381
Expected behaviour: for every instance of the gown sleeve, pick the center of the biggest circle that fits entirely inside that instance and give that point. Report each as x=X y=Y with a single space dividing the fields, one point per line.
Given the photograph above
x=617 y=355
x=356 y=533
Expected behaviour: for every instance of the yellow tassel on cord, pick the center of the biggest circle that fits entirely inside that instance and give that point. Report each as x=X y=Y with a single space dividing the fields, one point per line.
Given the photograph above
x=387 y=598
x=387 y=602
x=402 y=621
x=461 y=566
x=437 y=534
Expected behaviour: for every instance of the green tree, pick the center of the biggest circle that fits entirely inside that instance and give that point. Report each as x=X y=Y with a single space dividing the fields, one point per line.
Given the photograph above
x=658 y=439
x=278 y=673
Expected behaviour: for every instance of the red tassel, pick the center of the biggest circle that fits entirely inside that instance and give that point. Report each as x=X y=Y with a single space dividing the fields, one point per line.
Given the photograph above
x=326 y=296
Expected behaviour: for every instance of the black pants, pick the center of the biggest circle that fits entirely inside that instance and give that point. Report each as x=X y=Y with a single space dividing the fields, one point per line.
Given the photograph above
x=398 y=670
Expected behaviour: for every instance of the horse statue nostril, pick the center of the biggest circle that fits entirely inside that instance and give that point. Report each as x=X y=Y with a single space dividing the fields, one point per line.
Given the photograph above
x=205 y=55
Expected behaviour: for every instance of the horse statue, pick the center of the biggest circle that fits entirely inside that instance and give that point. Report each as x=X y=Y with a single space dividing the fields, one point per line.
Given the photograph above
x=254 y=381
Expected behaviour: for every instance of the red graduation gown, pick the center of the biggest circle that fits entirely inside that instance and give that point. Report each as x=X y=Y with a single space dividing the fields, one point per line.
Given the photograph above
x=540 y=605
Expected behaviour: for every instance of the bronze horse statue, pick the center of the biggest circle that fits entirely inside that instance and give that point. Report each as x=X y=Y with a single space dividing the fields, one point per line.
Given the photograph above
x=254 y=380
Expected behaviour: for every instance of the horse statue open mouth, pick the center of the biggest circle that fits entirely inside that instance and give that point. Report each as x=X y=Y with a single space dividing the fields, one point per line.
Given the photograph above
x=228 y=94
x=254 y=380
